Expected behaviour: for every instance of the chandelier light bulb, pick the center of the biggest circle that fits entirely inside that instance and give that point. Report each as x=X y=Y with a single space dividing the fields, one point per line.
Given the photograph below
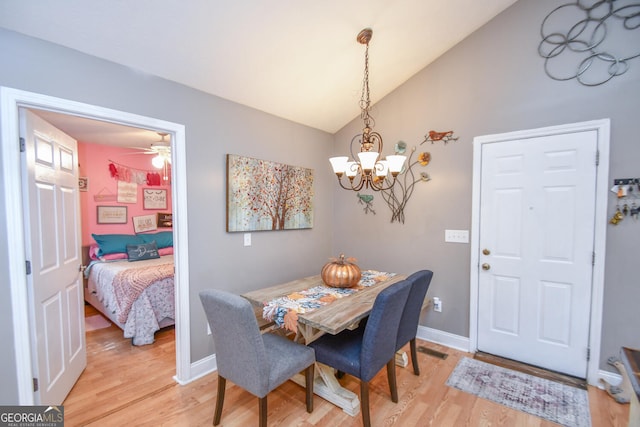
x=339 y=164
x=368 y=160
x=382 y=168
x=352 y=169
x=396 y=163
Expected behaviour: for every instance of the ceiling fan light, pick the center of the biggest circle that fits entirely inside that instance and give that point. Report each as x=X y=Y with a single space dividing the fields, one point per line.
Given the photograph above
x=158 y=162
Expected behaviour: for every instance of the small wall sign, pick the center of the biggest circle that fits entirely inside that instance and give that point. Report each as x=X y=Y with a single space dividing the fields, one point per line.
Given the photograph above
x=154 y=198
x=127 y=192
x=165 y=219
x=111 y=214
x=144 y=223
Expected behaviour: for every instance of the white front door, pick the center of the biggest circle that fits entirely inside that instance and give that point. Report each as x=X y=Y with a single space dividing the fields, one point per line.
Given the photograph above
x=536 y=243
x=52 y=236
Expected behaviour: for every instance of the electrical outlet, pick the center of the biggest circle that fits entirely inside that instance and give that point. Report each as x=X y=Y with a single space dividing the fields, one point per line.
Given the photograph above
x=456 y=236
x=437 y=304
x=247 y=239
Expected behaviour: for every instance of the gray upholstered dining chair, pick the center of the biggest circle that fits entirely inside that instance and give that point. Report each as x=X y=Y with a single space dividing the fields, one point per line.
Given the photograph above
x=256 y=362
x=420 y=281
x=365 y=351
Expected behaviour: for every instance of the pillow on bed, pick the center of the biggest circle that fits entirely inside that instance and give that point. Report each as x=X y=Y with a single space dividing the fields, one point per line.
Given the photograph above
x=115 y=243
x=165 y=251
x=163 y=239
x=142 y=251
x=93 y=254
x=114 y=257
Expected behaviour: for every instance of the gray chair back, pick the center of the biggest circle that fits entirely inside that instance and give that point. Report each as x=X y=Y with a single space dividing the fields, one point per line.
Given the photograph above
x=240 y=351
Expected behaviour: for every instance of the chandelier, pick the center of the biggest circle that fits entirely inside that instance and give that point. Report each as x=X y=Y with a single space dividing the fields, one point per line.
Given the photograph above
x=369 y=170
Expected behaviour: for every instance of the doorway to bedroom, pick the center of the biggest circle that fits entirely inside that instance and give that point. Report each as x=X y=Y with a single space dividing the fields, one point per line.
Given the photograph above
x=125 y=198
x=117 y=169
x=15 y=100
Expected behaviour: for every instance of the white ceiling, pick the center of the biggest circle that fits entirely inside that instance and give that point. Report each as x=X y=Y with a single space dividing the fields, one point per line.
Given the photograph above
x=295 y=59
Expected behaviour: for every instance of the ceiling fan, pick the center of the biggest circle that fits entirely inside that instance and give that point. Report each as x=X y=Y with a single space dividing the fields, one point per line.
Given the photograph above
x=161 y=150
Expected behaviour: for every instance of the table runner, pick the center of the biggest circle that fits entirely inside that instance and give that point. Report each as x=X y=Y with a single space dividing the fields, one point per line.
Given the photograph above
x=284 y=310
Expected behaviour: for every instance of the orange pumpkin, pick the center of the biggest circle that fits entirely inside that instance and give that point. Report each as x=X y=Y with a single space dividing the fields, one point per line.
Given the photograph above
x=341 y=273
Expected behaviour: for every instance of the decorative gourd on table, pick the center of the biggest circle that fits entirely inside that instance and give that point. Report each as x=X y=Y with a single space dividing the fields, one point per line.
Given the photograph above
x=341 y=272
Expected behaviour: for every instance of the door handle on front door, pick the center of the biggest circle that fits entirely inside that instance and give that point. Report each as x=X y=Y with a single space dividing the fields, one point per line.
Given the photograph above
x=486 y=251
x=486 y=266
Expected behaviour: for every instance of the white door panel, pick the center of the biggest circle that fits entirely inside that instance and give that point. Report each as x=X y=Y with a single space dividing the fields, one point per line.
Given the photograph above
x=52 y=231
x=537 y=223
x=70 y=221
x=75 y=320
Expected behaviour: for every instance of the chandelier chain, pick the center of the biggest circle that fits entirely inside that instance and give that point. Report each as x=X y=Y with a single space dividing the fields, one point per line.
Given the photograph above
x=365 y=100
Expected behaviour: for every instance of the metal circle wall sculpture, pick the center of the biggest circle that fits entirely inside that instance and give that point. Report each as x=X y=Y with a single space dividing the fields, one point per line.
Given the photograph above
x=580 y=52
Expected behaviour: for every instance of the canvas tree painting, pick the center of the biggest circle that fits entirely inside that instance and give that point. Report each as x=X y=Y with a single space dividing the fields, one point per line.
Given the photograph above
x=265 y=195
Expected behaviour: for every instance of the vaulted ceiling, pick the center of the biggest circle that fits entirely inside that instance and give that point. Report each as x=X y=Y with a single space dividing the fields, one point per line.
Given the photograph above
x=295 y=59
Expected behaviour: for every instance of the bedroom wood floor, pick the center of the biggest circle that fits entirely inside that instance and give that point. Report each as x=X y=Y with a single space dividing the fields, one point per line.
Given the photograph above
x=127 y=385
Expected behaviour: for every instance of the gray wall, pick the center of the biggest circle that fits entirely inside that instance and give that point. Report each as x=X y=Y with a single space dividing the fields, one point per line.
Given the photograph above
x=491 y=82
x=214 y=127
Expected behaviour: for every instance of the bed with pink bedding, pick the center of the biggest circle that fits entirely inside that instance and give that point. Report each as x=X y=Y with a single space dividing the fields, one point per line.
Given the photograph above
x=137 y=296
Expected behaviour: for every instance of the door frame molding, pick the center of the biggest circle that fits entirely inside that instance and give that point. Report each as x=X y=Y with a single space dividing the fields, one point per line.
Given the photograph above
x=10 y=101
x=602 y=127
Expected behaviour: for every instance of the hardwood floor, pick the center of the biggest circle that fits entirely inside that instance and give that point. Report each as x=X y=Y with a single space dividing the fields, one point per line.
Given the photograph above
x=127 y=385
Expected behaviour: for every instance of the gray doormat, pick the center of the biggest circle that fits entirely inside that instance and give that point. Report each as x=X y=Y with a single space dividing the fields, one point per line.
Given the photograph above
x=550 y=400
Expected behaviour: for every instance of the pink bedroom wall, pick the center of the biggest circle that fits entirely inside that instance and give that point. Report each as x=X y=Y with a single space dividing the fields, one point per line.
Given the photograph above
x=94 y=164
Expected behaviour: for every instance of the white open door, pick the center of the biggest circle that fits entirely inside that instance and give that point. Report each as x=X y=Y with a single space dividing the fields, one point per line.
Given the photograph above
x=52 y=237
x=536 y=249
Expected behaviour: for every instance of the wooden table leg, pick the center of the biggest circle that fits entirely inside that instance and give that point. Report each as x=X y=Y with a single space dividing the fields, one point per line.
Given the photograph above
x=326 y=385
x=402 y=359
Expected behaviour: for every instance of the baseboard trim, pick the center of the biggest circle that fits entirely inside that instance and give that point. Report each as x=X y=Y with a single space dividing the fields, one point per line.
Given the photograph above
x=200 y=368
x=610 y=377
x=445 y=338
x=208 y=364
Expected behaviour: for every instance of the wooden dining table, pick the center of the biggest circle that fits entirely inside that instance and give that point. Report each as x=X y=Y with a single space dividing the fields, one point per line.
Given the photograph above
x=343 y=313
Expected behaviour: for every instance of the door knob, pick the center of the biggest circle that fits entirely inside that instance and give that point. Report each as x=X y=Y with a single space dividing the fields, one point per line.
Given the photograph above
x=486 y=251
x=486 y=266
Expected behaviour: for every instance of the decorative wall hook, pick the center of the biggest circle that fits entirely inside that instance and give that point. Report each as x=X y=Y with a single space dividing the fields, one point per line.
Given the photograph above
x=627 y=191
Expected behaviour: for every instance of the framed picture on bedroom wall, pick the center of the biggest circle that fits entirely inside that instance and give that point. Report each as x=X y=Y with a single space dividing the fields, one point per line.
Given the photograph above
x=165 y=220
x=154 y=198
x=111 y=214
x=83 y=183
x=144 y=223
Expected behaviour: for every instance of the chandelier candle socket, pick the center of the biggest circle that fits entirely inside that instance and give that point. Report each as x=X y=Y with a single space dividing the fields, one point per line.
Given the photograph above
x=370 y=167
x=341 y=273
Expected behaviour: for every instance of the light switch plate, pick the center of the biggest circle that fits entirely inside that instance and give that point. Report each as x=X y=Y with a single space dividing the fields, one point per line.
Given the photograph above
x=456 y=236
x=247 y=239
